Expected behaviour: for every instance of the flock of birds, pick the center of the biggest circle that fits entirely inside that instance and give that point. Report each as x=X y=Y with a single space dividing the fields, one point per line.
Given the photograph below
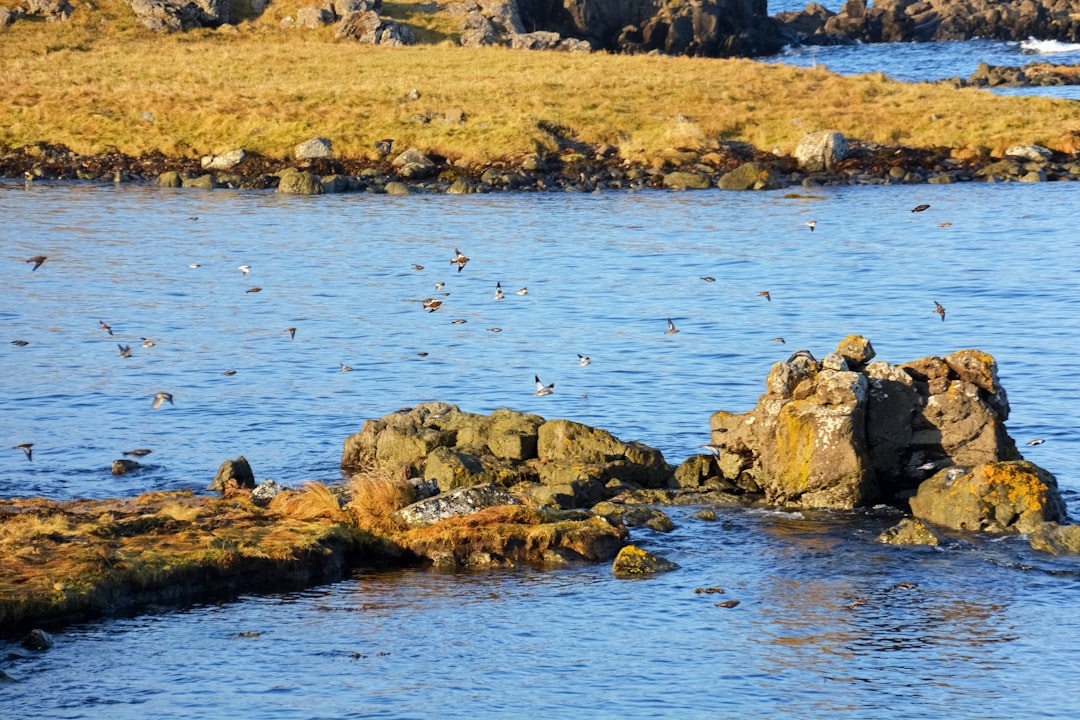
x=430 y=304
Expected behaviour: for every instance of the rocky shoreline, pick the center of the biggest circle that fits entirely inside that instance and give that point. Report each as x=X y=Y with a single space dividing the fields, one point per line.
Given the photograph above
x=438 y=486
x=822 y=159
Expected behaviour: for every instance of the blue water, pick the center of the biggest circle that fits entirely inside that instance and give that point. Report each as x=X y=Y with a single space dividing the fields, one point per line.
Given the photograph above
x=977 y=638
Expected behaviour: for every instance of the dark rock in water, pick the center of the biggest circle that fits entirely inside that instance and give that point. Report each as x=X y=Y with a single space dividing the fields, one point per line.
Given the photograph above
x=123 y=466
x=37 y=640
x=233 y=475
x=910 y=531
x=633 y=560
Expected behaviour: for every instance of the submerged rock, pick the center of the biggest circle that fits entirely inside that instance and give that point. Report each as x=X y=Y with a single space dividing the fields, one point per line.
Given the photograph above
x=633 y=560
x=910 y=531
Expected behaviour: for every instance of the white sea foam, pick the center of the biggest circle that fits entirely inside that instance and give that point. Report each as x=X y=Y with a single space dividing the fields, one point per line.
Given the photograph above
x=1031 y=46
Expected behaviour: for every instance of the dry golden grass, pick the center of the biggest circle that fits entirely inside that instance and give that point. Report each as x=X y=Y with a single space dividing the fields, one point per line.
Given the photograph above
x=314 y=500
x=88 y=83
x=375 y=497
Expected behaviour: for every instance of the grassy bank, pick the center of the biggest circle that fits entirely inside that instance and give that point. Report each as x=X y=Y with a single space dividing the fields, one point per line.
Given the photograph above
x=98 y=84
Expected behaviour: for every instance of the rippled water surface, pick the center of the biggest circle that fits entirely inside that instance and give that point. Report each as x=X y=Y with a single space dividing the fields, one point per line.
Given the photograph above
x=987 y=633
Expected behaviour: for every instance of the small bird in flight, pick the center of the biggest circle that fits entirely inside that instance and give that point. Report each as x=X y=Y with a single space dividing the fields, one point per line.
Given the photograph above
x=778 y=340
x=811 y=224
x=582 y=360
x=345 y=368
x=161 y=398
x=1037 y=441
x=417 y=266
x=541 y=388
x=459 y=260
x=713 y=449
x=125 y=350
x=459 y=321
x=499 y=291
x=20 y=343
x=431 y=304
x=26 y=448
x=920 y=208
x=107 y=328
x=439 y=286
x=253 y=290
x=194 y=266
x=945 y=224
x=708 y=278
x=495 y=329
x=523 y=291
x=292 y=333
x=765 y=294
x=147 y=342
x=244 y=269
x=37 y=260
x=940 y=310
x=229 y=373
x=671 y=329
x=139 y=452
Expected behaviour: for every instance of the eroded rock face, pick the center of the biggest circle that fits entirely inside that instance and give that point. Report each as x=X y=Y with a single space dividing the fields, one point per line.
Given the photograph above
x=556 y=463
x=847 y=431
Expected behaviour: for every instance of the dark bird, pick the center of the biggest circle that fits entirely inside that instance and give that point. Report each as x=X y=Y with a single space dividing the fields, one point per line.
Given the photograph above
x=139 y=452
x=541 y=388
x=765 y=294
x=459 y=260
x=417 y=266
x=26 y=448
x=459 y=321
x=125 y=350
x=105 y=327
x=37 y=260
x=812 y=224
x=229 y=373
x=778 y=339
x=582 y=360
x=292 y=333
x=727 y=604
x=940 y=310
x=20 y=343
x=161 y=398
x=803 y=353
x=495 y=329
x=1037 y=441
x=384 y=146
x=671 y=329
x=708 y=278
x=422 y=354
x=253 y=290
x=920 y=208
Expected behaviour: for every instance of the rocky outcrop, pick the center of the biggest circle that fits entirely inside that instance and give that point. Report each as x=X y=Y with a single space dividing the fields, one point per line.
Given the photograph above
x=172 y=15
x=846 y=432
x=553 y=463
x=712 y=28
x=233 y=476
x=821 y=151
x=1014 y=496
x=923 y=21
x=632 y=561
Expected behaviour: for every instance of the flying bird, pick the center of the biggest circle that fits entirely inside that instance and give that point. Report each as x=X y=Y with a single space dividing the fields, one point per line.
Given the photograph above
x=495 y=329
x=194 y=266
x=459 y=321
x=229 y=373
x=26 y=448
x=20 y=343
x=582 y=360
x=147 y=342
x=161 y=398
x=292 y=333
x=708 y=278
x=944 y=224
x=811 y=224
x=37 y=260
x=940 y=310
x=459 y=260
x=778 y=340
x=139 y=452
x=1037 y=441
x=713 y=449
x=107 y=328
x=671 y=329
x=125 y=350
x=253 y=290
x=523 y=291
x=920 y=208
x=541 y=388
x=765 y=294
x=431 y=304
x=417 y=266
x=244 y=269
x=499 y=291
x=345 y=368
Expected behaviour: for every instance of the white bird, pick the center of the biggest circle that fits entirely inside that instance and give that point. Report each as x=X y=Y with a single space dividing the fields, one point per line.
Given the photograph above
x=499 y=291
x=541 y=388
x=582 y=360
x=244 y=269
x=523 y=291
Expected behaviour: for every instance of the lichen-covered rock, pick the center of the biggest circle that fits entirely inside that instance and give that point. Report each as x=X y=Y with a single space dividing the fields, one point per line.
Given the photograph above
x=318 y=147
x=462 y=501
x=265 y=492
x=686 y=180
x=292 y=181
x=750 y=176
x=848 y=431
x=821 y=151
x=1057 y=539
x=1011 y=496
x=225 y=161
x=633 y=560
x=910 y=531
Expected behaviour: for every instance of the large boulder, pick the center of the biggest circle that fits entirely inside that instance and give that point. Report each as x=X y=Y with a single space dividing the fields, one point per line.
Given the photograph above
x=821 y=151
x=846 y=431
x=1012 y=496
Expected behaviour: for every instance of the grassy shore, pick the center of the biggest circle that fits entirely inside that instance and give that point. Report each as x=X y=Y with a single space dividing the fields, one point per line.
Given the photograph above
x=99 y=84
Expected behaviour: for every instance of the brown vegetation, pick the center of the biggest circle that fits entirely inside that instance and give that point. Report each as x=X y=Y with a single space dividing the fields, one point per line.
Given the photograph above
x=98 y=83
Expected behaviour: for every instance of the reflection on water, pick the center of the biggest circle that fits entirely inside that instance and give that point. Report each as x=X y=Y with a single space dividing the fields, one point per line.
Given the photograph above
x=823 y=627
